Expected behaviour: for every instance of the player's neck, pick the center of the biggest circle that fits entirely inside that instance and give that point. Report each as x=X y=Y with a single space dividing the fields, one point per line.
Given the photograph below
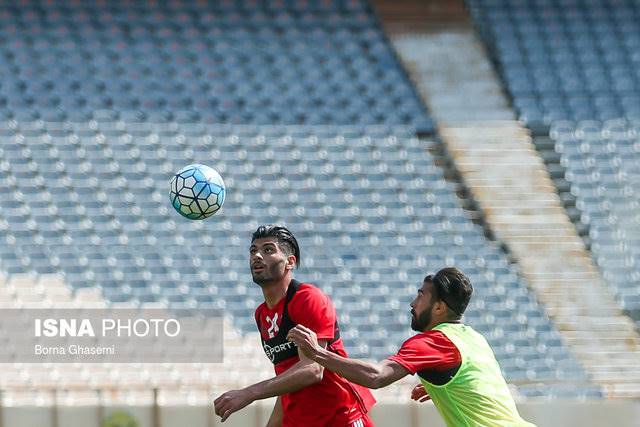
x=439 y=322
x=274 y=292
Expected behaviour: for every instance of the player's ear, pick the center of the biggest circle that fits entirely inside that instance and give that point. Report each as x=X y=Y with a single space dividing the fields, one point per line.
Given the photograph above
x=291 y=262
x=441 y=306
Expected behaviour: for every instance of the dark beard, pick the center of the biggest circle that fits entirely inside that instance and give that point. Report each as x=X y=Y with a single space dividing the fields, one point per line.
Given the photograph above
x=419 y=323
x=262 y=278
x=259 y=279
x=266 y=276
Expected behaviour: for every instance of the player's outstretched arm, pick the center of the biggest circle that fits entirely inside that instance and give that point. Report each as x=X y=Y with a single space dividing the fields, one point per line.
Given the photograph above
x=358 y=371
x=303 y=374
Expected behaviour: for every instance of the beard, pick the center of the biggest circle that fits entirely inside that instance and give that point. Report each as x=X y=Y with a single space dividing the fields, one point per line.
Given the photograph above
x=419 y=323
x=262 y=278
x=267 y=275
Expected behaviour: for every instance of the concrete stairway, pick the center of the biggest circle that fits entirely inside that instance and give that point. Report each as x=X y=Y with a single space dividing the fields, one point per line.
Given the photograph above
x=506 y=176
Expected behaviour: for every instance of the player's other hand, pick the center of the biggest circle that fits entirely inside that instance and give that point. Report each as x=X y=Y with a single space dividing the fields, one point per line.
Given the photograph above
x=419 y=394
x=231 y=402
x=306 y=340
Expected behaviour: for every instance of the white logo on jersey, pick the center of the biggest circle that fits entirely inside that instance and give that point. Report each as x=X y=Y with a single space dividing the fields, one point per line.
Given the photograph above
x=272 y=351
x=273 y=329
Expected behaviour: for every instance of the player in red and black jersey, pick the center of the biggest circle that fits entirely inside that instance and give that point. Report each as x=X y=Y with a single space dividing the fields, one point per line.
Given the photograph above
x=307 y=394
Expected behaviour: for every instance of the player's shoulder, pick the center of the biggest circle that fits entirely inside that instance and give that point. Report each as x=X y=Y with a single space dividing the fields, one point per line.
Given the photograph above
x=309 y=290
x=306 y=288
x=431 y=336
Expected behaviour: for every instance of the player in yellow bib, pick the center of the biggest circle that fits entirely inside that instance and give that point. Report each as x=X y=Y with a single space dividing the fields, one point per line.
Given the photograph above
x=454 y=363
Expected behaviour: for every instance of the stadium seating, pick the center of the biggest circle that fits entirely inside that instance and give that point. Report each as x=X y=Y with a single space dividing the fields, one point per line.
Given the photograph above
x=565 y=60
x=305 y=111
x=281 y=62
x=90 y=200
x=601 y=161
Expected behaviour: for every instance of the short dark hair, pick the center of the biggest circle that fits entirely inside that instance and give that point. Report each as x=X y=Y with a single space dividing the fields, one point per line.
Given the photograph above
x=452 y=287
x=286 y=240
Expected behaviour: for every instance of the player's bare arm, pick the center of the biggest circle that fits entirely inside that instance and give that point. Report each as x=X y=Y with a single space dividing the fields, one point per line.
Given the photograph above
x=370 y=375
x=304 y=373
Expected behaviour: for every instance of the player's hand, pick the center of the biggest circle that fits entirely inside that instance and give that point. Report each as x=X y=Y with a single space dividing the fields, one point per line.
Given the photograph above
x=306 y=340
x=231 y=402
x=419 y=394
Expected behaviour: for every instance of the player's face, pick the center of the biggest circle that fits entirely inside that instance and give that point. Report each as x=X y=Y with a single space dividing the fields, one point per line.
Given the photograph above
x=267 y=261
x=421 y=307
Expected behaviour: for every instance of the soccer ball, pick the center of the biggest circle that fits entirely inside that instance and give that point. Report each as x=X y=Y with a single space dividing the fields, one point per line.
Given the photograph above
x=197 y=191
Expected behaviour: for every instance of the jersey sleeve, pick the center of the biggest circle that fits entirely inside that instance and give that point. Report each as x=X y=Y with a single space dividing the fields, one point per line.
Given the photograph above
x=310 y=307
x=429 y=350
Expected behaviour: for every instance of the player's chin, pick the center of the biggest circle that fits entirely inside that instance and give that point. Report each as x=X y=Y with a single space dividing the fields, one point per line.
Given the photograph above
x=259 y=277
